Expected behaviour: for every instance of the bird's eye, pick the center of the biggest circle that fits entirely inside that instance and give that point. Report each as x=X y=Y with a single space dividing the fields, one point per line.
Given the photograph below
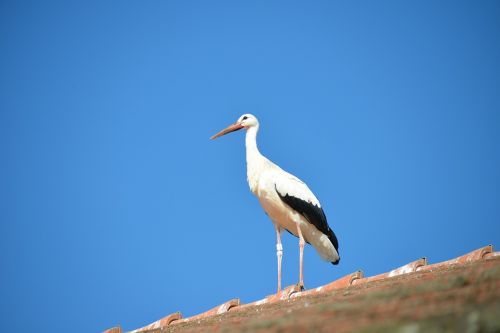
x=244 y=118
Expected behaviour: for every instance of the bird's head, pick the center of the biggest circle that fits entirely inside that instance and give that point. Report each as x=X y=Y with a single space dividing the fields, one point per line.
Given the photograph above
x=245 y=121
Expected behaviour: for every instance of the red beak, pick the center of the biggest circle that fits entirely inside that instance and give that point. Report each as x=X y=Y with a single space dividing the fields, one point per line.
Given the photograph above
x=229 y=129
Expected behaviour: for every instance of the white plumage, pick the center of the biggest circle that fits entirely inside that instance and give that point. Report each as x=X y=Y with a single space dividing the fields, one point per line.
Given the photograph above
x=286 y=199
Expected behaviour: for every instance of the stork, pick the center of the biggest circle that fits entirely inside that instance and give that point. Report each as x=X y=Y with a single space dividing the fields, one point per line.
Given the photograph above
x=286 y=200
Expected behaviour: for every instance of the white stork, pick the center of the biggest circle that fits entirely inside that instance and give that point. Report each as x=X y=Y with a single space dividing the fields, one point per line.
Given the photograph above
x=286 y=200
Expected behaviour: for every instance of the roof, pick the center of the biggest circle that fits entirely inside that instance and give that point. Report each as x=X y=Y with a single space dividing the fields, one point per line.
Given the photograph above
x=461 y=294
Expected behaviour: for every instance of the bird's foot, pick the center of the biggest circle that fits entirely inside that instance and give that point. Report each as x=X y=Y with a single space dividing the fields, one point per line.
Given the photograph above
x=287 y=291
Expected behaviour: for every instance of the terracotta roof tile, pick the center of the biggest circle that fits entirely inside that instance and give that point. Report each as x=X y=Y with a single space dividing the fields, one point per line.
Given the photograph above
x=219 y=309
x=469 y=257
x=163 y=322
x=116 y=329
x=408 y=268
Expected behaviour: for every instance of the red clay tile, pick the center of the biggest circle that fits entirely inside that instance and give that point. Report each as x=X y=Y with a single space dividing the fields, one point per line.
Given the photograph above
x=223 y=308
x=163 y=322
x=408 y=268
x=254 y=303
x=469 y=257
x=285 y=293
x=340 y=283
x=491 y=255
x=116 y=329
x=228 y=305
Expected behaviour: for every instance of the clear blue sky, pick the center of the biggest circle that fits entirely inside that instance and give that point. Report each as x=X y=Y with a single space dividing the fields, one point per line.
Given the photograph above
x=116 y=208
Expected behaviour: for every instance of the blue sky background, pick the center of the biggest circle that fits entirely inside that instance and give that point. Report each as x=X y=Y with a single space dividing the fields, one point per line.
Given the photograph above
x=116 y=208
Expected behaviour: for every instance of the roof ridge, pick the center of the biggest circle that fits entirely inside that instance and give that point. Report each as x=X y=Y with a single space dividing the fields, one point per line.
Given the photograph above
x=355 y=278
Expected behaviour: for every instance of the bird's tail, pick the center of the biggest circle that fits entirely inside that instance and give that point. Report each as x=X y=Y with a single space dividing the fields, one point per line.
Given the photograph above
x=333 y=238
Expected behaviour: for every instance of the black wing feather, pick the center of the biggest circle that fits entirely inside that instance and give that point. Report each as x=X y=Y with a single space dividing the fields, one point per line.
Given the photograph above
x=314 y=214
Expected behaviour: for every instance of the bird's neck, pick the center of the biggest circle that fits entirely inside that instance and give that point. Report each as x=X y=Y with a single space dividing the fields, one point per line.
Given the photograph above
x=255 y=160
x=251 y=145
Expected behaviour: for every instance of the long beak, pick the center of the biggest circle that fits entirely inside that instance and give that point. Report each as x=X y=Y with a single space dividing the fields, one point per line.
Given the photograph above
x=229 y=129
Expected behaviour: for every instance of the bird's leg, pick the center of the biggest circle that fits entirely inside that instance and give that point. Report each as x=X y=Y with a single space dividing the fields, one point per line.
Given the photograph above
x=279 y=254
x=301 y=249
